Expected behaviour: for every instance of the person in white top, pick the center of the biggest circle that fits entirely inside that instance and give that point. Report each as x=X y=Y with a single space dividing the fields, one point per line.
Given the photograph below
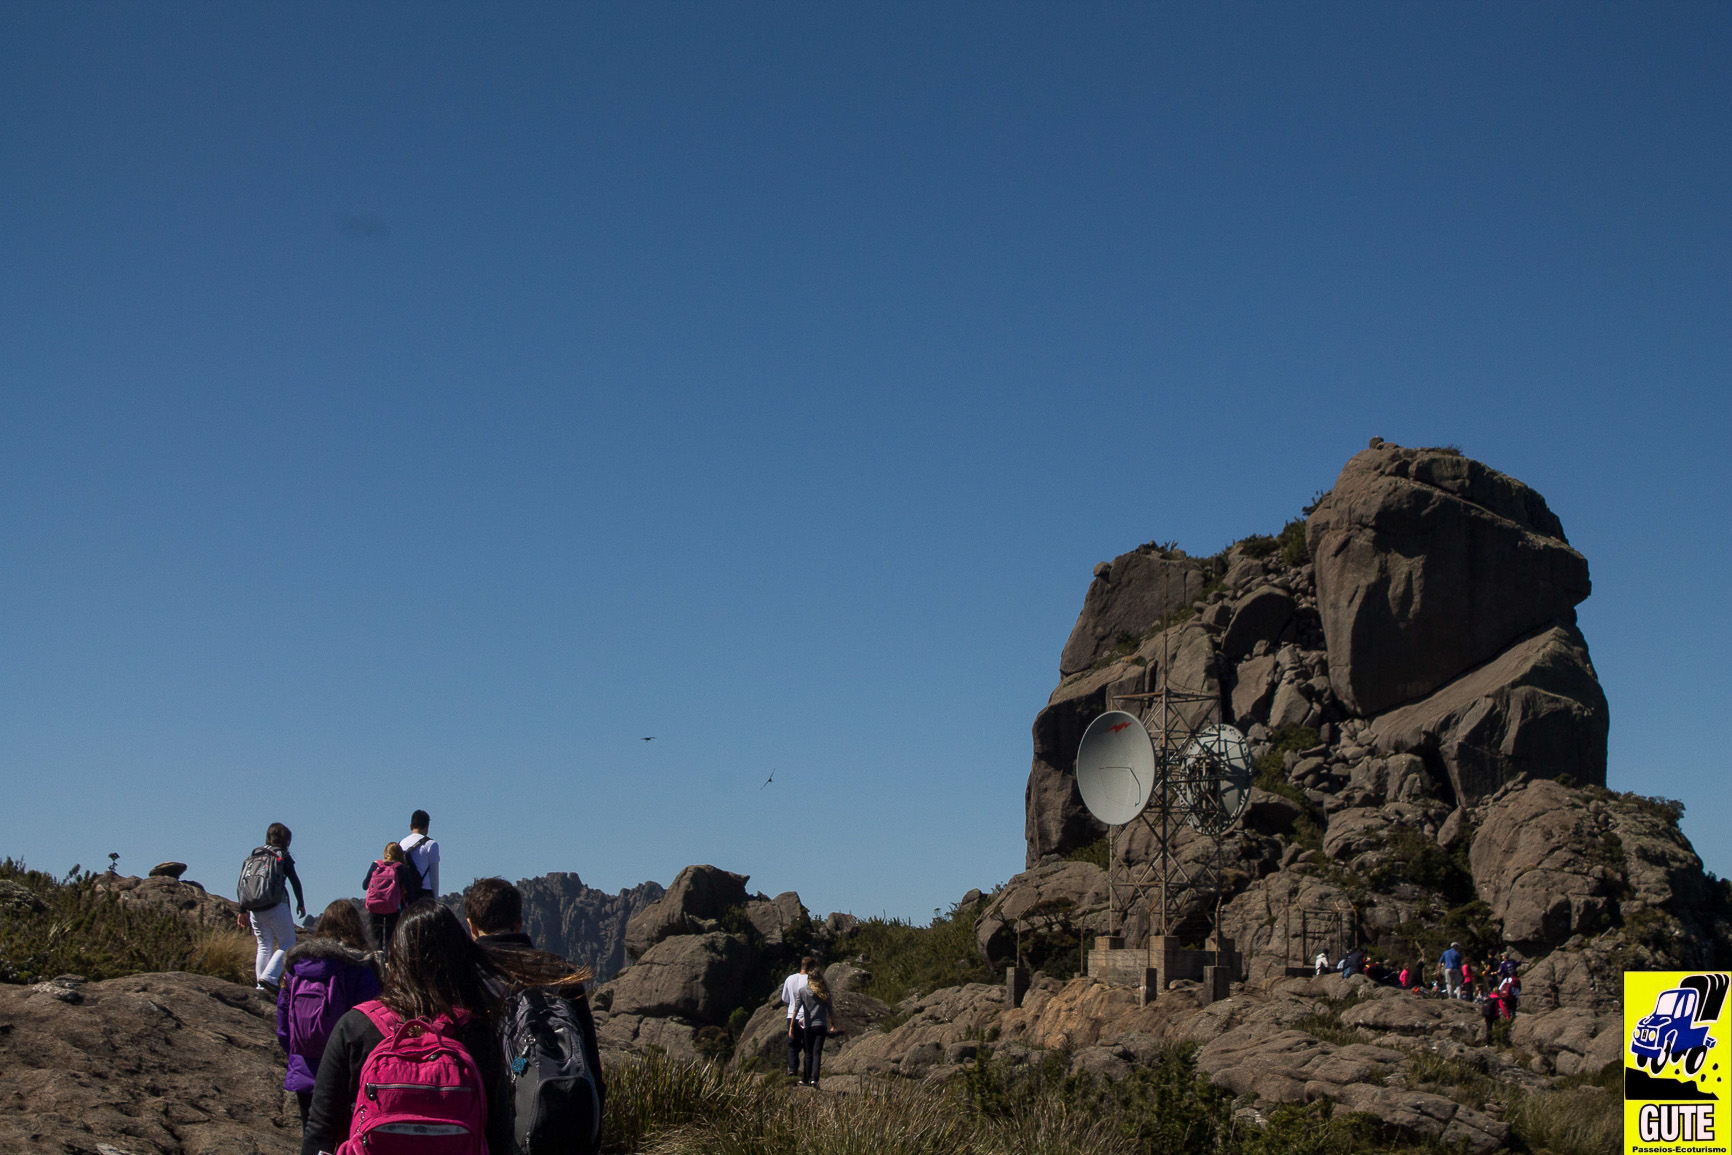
x=791 y=988
x=423 y=852
x=1322 y=962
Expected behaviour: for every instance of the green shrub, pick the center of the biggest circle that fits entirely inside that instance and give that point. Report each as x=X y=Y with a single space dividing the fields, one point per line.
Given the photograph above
x=1292 y=542
x=906 y=959
x=87 y=931
x=1258 y=545
x=1095 y=852
x=1581 y=1119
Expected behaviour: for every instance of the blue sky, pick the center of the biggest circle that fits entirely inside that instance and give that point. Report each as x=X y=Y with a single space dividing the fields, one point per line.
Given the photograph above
x=419 y=407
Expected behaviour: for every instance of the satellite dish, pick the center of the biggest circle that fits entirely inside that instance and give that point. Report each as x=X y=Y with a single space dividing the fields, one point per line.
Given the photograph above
x=1216 y=778
x=1115 y=767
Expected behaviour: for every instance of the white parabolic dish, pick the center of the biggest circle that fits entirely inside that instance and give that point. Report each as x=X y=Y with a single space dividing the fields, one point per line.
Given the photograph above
x=1218 y=777
x=1115 y=767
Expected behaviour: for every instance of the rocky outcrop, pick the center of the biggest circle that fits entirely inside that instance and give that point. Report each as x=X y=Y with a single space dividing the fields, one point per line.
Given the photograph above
x=578 y=922
x=170 y=1064
x=167 y=894
x=1429 y=564
x=699 y=896
x=1130 y=596
x=1072 y=892
x=1535 y=709
x=699 y=977
x=581 y=923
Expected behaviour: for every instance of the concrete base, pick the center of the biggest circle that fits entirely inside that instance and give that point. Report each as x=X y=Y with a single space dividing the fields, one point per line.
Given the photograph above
x=1151 y=970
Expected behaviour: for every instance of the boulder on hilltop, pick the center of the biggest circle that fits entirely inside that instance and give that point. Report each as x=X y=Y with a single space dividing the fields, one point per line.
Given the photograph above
x=691 y=905
x=1429 y=563
x=1130 y=596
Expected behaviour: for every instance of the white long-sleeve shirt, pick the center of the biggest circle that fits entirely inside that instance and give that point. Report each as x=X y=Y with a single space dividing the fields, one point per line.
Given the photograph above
x=423 y=855
x=791 y=988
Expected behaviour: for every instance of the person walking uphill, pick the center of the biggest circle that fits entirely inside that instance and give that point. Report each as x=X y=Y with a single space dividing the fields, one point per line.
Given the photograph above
x=423 y=852
x=328 y=974
x=423 y=1059
x=546 y=1026
x=815 y=1007
x=391 y=884
x=791 y=988
x=263 y=896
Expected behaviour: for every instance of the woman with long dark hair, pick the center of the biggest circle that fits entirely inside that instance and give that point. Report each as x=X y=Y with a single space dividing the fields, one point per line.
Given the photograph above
x=439 y=986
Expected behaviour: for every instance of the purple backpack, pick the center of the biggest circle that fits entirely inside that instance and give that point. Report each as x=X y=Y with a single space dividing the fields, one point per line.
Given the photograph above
x=313 y=1012
x=421 y=1092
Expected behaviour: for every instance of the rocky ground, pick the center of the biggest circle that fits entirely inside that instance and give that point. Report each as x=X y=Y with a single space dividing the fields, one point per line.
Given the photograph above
x=157 y=1064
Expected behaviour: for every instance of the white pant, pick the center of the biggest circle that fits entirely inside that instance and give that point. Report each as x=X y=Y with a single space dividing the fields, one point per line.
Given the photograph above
x=275 y=931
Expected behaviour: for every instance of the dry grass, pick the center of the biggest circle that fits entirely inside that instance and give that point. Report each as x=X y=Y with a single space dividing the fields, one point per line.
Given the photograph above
x=227 y=953
x=662 y=1107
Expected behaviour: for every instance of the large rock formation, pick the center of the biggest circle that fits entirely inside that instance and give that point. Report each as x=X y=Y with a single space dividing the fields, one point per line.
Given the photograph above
x=170 y=1064
x=1130 y=596
x=699 y=896
x=1428 y=564
x=1436 y=619
x=579 y=922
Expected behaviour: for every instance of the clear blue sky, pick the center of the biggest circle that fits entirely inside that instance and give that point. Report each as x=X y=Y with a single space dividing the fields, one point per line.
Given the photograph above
x=416 y=406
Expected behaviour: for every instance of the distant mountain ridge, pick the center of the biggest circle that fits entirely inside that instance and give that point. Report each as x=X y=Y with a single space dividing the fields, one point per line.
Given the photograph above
x=576 y=921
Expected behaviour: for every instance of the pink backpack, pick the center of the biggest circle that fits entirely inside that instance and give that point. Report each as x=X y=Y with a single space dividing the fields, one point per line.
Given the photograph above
x=421 y=1092
x=384 y=891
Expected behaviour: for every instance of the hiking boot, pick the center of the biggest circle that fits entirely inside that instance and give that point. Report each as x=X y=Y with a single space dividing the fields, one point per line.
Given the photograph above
x=268 y=987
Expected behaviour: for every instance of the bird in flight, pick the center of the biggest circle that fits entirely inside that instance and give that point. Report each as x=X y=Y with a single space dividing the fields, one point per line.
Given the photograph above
x=769 y=780
x=651 y=738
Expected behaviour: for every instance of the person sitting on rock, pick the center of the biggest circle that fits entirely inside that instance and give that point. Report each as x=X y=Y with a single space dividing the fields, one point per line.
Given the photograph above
x=1322 y=963
x=327 y=975
x=494 y=910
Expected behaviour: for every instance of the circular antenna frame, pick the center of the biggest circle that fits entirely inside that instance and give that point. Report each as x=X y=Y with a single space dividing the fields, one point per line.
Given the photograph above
x=1115 y=767
x=1216 y=776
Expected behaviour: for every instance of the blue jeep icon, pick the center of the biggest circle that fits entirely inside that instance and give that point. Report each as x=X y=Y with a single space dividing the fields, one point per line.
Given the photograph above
x=1671 y=1033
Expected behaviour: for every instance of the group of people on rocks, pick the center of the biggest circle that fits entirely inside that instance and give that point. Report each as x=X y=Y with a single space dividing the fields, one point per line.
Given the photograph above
x=407 y=871
x=1496 y=986
x=414 y=1023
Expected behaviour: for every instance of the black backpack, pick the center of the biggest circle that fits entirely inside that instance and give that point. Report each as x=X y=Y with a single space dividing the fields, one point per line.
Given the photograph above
x=555 y=1095
x=264 y=884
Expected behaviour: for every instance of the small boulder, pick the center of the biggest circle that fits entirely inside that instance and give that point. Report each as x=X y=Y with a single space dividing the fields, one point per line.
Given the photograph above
x=691 y=976
x=697 y=898
x=167 y=870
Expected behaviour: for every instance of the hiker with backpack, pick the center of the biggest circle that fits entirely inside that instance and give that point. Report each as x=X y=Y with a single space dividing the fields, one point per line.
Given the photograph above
x=391 y=884
x=328 y=973
x=423 y=852
x=263 y=897
x=547 y=1030
x=422 y=1060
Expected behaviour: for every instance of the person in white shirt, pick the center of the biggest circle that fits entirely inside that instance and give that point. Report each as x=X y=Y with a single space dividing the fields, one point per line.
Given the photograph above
x=423 y=852
x=1322 y=962
x=791 y=988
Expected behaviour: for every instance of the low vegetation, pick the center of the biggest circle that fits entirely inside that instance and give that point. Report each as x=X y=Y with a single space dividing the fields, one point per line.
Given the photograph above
x=906 y=959
x=81 y=929
x=657 y=1105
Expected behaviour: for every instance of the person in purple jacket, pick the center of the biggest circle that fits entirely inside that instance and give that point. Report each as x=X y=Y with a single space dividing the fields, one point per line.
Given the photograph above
x=326 y=975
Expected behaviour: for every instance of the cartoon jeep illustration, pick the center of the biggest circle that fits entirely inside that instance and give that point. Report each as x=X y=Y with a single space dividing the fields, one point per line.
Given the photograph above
x=1677 y=1029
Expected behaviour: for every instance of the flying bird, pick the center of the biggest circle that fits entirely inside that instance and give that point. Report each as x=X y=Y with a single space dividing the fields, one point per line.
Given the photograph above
x=769 y=780
x=651 y=738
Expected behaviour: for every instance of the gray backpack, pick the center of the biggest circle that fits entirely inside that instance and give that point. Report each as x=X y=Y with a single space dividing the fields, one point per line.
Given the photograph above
x=264 y=885
x=555 y=1102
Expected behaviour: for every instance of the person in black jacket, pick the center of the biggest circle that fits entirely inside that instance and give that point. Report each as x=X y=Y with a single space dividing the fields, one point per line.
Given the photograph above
x=494 y=910
x=436 y=971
